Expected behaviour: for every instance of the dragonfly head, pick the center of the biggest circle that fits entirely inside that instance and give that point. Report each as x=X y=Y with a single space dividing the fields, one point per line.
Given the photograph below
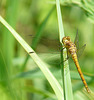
x=65 y=40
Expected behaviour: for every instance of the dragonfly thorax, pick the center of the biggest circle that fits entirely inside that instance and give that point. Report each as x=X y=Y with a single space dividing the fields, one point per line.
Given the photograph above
x=66 y=41
x=70 y=46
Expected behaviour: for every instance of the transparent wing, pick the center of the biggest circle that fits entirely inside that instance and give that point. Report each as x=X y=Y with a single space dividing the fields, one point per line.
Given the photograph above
x=80 y=51
x=76 y=42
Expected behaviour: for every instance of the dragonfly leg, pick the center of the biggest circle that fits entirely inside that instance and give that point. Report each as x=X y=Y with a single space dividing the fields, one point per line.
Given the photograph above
x=66 y=59
x=62 y=49
x=63 y=61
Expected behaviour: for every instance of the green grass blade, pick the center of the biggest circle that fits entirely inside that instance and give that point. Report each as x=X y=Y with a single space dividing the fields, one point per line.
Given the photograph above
x=51 y=79
x=40 y=30
x=66 y=78
x=8 y=38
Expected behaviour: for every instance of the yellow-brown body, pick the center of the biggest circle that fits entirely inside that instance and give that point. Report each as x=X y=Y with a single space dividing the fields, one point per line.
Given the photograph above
x=70 y=46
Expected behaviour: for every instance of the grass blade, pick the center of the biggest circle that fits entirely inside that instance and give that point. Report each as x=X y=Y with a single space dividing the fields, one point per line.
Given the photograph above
x=65 y=69
x=51 y=79
x=8 y=38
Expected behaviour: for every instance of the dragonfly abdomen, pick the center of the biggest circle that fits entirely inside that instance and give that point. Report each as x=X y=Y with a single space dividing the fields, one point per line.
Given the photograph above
x=74 y=57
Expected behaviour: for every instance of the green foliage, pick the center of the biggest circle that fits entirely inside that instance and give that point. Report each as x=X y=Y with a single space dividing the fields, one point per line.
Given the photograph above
x=43 y=66
x=20 y=77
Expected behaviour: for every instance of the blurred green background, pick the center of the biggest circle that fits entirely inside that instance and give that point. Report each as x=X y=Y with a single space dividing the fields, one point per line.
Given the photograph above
x=36 y=22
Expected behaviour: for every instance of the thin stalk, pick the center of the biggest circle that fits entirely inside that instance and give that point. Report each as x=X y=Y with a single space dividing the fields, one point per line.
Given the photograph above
x=68 y=95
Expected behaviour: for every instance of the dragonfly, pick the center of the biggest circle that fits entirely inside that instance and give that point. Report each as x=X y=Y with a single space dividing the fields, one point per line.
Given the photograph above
x=72 y=50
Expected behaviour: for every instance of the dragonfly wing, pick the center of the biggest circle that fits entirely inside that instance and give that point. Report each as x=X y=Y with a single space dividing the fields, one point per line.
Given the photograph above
x=80 y=51
x=76 y=42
